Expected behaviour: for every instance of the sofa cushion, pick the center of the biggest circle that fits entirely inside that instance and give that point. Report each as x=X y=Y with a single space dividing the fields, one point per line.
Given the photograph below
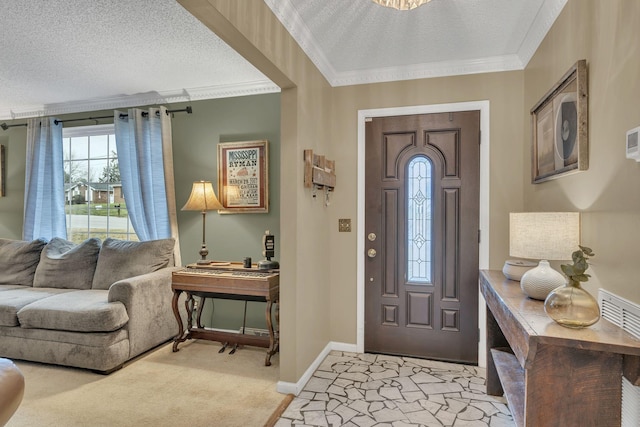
x=79 y=311
x=14 y=300
x=18 y=261
x=120 y=259
x=64 y=264
x=32 y=336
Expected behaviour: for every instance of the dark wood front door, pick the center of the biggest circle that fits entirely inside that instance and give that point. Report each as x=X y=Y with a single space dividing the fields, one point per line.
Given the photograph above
x=422 y=229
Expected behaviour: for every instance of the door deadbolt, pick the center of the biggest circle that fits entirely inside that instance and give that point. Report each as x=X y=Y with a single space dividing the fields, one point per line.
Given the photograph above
x=372 y=237
x=371 y=253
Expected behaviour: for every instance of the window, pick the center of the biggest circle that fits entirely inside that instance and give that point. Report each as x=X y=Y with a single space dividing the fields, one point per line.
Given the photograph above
x=94 y=203
x=419 y=220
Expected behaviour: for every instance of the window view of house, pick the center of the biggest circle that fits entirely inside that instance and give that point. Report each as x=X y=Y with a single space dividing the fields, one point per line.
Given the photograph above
x=94 y=203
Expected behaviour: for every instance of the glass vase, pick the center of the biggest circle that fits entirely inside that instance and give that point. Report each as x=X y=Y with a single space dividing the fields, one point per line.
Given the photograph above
x=571 y=306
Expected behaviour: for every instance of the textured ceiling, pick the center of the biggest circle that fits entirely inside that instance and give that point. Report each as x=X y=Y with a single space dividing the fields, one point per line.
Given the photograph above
x=64 y=56
x=61 y=56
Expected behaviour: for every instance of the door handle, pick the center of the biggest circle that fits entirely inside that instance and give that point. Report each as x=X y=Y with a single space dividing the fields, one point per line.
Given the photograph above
x=371 y=253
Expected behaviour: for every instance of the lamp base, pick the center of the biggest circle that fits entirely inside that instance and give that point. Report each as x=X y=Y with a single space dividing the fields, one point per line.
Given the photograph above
x=203 y=254
x=513 y=269
x=537 y=283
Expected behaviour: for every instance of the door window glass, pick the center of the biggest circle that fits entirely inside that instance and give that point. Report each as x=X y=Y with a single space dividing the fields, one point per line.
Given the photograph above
x=419 y=220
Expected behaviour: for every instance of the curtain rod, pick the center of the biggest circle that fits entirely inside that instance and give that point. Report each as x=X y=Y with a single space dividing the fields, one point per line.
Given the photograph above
x=187 y=110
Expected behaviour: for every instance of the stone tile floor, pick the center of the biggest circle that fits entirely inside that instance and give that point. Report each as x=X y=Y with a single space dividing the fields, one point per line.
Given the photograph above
x=367 y=390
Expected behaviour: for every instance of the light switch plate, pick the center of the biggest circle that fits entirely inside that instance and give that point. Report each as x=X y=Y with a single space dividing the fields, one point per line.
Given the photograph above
x=344 y=225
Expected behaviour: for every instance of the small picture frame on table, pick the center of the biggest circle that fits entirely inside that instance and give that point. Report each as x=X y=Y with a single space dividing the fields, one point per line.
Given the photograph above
x=560 y=138
x=243 y=176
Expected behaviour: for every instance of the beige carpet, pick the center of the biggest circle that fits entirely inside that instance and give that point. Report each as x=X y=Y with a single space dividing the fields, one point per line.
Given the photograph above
x=197 y=386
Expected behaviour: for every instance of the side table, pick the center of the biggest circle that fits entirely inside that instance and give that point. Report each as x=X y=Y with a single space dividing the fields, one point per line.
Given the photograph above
x=552 y=375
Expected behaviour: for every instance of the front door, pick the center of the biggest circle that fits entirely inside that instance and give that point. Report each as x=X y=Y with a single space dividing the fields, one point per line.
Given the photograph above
x=422 y=203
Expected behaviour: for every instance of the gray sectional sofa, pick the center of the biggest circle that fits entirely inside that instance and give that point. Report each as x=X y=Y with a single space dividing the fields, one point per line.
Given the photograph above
x=91 y=305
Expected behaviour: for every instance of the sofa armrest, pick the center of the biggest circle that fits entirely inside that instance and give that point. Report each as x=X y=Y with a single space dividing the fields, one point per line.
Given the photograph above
x=147 y=299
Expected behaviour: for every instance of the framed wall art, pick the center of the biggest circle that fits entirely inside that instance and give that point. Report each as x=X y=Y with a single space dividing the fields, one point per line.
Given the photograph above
x=560 y=139
x=243 y=176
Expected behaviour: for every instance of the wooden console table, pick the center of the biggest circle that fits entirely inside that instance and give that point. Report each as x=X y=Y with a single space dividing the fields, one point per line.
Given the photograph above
x=552 y=375
x=233 y=282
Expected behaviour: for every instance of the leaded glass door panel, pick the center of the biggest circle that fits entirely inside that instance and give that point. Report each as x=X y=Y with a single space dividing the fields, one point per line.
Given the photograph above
x=421 y=222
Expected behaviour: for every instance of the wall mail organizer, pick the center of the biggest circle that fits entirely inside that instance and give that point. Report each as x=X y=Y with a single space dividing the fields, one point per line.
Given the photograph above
x=318 y=171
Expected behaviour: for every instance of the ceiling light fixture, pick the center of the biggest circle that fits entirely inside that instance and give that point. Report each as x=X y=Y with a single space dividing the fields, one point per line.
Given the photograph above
x=401 y=4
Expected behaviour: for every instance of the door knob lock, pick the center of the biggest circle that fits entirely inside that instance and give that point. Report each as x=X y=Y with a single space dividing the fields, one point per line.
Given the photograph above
x=371 y=253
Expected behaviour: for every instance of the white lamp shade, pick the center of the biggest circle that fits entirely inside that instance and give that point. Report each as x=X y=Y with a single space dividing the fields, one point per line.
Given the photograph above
x=544 y=235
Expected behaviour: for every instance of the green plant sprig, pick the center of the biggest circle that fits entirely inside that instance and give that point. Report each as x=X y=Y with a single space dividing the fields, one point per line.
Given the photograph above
x=576 y=271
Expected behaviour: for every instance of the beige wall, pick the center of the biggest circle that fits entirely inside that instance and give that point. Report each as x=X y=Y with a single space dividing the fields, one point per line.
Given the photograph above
x=607 y=193
x=253 y=31
x=504 y=93
x=318 y=274
x=318 y=280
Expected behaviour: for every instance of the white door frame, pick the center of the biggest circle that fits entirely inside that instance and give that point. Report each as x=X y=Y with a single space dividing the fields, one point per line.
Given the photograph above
x=483 y=262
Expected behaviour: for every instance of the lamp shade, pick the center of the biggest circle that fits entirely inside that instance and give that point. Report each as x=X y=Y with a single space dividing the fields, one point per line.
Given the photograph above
x=202 y=198
x=544 y=235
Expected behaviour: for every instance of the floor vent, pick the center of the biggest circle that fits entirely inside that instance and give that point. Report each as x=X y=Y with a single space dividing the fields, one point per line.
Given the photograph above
x=630 y=404
x=626 y=315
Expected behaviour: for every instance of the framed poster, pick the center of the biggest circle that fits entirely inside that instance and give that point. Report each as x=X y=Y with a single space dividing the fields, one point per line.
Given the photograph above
x=559 y=129
x=243 y=174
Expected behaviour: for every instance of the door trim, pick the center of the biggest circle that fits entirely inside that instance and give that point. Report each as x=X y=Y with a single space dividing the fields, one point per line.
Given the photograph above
x=483 y=262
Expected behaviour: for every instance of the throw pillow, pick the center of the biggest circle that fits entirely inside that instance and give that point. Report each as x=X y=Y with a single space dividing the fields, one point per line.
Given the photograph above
x=18 y=261
x=64 y=264
x=121 y=259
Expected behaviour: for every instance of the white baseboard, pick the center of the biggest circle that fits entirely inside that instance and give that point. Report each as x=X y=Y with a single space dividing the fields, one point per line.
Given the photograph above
x=296 y=388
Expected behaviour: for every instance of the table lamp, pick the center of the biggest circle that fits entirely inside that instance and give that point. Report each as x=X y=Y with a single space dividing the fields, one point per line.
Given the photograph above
x=203 y=199
x=544 y=236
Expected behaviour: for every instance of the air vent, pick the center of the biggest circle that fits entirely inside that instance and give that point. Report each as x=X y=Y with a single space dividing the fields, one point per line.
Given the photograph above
x=626 y=315
x=620 y=311
x=630 y=404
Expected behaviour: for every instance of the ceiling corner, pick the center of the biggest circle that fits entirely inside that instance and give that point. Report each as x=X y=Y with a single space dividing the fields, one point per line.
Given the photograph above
x=291 y=20
x=543 y=22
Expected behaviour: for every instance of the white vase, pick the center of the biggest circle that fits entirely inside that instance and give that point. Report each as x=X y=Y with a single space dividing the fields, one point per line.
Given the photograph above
x=538 y=282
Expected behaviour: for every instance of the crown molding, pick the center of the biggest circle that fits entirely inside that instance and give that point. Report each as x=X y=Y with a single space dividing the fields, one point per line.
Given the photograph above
x=148 y=98
x=549 y=11
x=291 y=20
x=424 y=71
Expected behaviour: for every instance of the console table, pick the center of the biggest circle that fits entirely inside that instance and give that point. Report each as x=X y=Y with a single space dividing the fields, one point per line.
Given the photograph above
x=232 y=282
x=552 y=375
